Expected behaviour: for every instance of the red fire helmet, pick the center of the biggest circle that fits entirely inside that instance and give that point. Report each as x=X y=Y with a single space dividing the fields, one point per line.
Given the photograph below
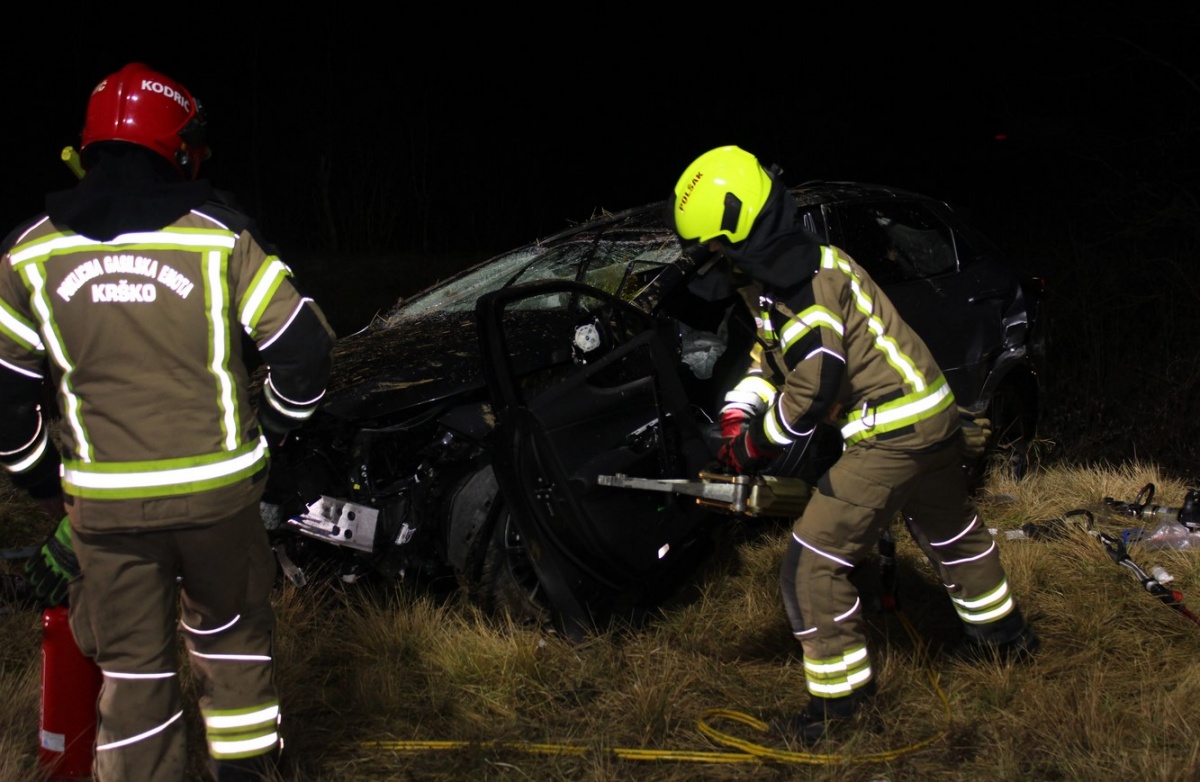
x=141 y=106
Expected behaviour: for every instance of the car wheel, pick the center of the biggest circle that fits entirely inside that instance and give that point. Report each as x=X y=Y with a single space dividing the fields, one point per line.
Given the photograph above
x=473 y=509
x=508 y=585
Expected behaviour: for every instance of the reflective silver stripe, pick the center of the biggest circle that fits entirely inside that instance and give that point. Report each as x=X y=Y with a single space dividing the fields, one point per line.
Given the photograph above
x=70 y=401
x=21 y=370
x=849 y=612
x=245 y=658
x=21 y=239
x=215 y=630
x=948 y=541
x=147 y=479
x=40 y=438
x=299 y=411
x=136 y=676
x=828 y=352
x=210 y=218
x=793 y=430
x=816 y=550
x=951 y=562
x=139 y=737
x=291 y=319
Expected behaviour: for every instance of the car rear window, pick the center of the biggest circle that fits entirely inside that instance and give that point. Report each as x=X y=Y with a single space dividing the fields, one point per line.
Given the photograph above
x=896 y=241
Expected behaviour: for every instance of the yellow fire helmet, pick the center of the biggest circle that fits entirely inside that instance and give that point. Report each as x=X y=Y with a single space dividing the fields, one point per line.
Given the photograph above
x=720 y=194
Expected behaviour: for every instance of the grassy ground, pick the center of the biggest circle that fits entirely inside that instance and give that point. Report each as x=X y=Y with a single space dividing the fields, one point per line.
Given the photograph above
x=393 y=684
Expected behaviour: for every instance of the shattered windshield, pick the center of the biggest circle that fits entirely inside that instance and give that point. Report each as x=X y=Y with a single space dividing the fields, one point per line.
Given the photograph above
x=619 y=267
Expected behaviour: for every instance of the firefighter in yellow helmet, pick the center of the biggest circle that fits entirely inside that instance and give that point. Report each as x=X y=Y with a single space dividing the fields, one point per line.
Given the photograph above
x=832 y=348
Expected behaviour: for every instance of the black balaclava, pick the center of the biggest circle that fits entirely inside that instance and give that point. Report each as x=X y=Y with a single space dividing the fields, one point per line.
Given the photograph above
x=126 y=188
x=778 y=252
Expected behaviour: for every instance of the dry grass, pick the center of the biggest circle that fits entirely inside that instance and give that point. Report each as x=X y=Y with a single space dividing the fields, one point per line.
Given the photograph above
x=390 y=684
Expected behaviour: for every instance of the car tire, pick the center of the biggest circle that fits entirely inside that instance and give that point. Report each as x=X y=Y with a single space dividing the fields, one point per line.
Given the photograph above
x=473 y=508
x=508 y=586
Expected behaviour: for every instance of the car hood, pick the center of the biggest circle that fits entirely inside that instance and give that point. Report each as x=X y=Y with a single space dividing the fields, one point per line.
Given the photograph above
x=385 y=368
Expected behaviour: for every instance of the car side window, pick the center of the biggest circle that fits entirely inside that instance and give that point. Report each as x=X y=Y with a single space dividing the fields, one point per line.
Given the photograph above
x=895 y=242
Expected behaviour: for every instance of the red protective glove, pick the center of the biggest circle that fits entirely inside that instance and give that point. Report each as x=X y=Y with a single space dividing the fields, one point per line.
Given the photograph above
x=734 y=421
x=743 y=455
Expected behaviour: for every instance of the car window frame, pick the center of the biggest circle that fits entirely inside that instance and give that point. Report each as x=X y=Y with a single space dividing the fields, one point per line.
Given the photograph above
x=896 y=240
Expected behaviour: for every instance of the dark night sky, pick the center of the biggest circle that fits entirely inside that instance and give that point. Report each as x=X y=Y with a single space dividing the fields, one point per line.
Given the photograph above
x=470 y=132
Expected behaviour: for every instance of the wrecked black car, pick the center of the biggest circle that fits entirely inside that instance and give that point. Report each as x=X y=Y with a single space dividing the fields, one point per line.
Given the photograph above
x=466 y=433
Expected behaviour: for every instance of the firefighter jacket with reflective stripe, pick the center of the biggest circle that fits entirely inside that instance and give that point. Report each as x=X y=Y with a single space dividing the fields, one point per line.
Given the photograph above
x=834 y=349
x=144 y=340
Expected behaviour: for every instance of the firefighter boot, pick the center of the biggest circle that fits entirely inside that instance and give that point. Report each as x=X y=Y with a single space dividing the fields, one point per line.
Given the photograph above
x=820 y=716
x=259 y=768
x=1008 y=640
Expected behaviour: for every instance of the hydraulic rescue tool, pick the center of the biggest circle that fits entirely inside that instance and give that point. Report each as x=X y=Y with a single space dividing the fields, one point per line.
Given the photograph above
x=747 y=495
x=1188 y=514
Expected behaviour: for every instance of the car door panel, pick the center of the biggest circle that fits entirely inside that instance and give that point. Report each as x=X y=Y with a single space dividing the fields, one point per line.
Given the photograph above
x=623 y=412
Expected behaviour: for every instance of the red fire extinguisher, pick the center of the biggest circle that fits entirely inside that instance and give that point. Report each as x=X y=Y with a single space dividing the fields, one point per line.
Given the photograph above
x=70 y=688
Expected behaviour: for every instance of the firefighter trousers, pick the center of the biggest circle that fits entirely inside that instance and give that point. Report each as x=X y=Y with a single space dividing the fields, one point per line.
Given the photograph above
x=855 y=502
x=139 y=593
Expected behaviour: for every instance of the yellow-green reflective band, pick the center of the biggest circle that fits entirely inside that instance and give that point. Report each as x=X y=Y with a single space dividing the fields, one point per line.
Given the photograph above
x=265 y=283
x=829 y=665
x=241 y=719
x=224 y=749
x=838 y=675
x=811 y=318
x=285 y=407
x=20 y=330
x=898 y=413
x=754 y=391
x=174 y=239
x=983 y=617
x=123 y=480
x=845 y=687
x=831 y=259
x=987 y=608
x=774 y=431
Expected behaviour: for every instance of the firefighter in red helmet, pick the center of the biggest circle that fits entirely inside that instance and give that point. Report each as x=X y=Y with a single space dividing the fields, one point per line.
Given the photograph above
x=832 y=348
x=139 y=106
x=132 y=298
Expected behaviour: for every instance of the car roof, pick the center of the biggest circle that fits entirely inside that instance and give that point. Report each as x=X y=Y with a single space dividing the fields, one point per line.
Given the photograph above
x=653 y=217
